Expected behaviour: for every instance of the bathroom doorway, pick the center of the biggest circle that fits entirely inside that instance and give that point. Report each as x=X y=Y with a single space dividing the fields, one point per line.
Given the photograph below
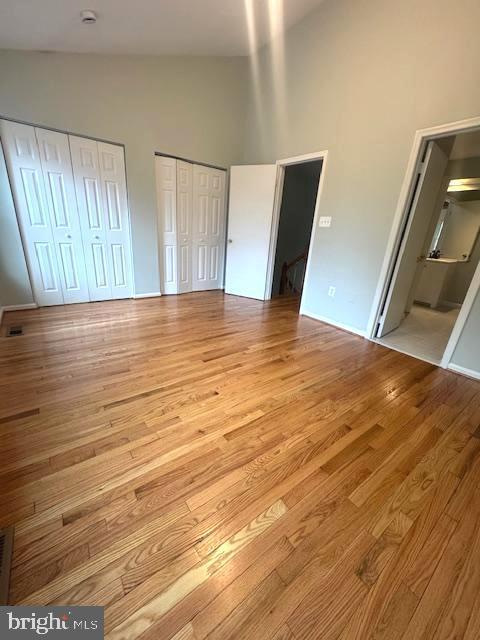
x=438 y=253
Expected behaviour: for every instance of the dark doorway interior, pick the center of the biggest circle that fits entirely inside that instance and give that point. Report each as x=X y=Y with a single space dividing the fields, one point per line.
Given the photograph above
x=299 y=197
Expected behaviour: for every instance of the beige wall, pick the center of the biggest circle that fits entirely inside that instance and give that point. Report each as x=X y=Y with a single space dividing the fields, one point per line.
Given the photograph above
x=461 y=230
x=361 y=78
x=192 y=107
x=462 y=277
x=14 y=281
x=467 y=352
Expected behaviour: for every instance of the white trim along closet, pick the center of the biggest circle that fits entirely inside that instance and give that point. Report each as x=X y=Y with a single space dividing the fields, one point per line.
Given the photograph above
x=191 y=225
x=71 y=199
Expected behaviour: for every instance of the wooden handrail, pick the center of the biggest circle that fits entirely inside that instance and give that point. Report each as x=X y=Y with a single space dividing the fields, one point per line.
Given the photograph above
x=288 y=283
x=299 y=258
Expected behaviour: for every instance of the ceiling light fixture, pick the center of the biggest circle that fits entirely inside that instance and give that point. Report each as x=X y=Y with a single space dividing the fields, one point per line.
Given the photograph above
x=88 y=16
x=464 y=184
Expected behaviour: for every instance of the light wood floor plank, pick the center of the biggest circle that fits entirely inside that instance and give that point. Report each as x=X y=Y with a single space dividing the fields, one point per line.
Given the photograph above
x=210 y=467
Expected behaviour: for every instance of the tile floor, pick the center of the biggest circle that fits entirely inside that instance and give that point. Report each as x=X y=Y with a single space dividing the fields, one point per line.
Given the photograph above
x=424 y=333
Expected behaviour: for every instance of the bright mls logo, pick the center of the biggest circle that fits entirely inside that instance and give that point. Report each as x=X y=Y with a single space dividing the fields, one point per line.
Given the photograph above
x=24 y=623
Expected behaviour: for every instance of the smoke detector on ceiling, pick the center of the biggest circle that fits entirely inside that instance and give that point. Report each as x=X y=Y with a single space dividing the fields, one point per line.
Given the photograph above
x=88 y=16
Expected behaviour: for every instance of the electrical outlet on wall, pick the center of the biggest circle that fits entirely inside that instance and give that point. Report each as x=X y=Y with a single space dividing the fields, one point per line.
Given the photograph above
x=332 y=291
x=325 y=221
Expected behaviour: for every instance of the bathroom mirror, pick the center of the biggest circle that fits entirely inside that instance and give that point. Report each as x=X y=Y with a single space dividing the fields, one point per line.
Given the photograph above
x=457 y=229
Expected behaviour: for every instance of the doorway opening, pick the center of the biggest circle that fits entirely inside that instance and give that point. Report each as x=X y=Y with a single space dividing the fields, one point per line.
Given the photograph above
x=255 y=207
x=295 y=222
x=435 y=273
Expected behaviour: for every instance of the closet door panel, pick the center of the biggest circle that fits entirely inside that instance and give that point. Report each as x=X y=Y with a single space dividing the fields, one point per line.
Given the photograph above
x=25 y=170
x=214 y=263
x=209 y=228
x=100 y=265
x=88 y=188
x=94 y=221
x=202 y=263
x=166 y=185
x=33 y=195
x=184 y=225
x=119 y=262
x=47 y=266
x=200 y=227
x=114 y=193
x=73 y=288
x=170 y=268
x=60 y=193
x=184 y=269
x=202 y=201
x=217 y=226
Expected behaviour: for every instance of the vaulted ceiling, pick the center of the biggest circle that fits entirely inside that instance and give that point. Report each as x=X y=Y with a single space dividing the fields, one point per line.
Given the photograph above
x=168 y=27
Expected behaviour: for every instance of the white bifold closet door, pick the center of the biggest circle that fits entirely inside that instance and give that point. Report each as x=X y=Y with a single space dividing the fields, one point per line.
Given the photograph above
x=166 y=180
x=191 y=206
x=100 y=184
x=60 y=190
x=42 y=182
x=184 y=226
x=208 y=228
x=71 y=200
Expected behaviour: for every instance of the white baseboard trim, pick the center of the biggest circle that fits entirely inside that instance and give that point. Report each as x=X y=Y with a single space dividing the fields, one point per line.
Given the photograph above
x=450 y=305
x=139 y=296
x=470 y=373
x=20 y=307
x=338 y=325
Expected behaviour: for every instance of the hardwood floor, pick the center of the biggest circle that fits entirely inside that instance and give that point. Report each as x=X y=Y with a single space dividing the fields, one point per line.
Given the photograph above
x=206 y=466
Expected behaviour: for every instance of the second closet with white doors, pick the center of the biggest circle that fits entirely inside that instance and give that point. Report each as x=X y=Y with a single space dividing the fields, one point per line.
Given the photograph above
x=71 y=200
x=191 y=225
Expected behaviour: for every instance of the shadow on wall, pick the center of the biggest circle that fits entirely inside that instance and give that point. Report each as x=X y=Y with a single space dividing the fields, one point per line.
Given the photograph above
x=462 y=275
x=296 y=215
x=15 y=286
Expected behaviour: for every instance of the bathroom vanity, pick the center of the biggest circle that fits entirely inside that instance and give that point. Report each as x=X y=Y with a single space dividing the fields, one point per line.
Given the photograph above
x=434 y=280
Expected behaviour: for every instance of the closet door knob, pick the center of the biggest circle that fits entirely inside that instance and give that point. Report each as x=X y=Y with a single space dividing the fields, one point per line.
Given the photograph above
x=230 y=241
x=96 y=237
x=69 y=236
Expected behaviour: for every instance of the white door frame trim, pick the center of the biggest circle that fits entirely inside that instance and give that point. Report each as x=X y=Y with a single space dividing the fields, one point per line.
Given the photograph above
x=281 y=164
x=421 y=138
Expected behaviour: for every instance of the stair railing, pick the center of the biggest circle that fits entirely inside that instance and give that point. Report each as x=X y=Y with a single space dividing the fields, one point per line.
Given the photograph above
x=293 y=275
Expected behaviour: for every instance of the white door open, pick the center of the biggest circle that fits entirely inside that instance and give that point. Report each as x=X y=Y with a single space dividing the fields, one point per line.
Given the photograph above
x=423 y=207
x=252 y=196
